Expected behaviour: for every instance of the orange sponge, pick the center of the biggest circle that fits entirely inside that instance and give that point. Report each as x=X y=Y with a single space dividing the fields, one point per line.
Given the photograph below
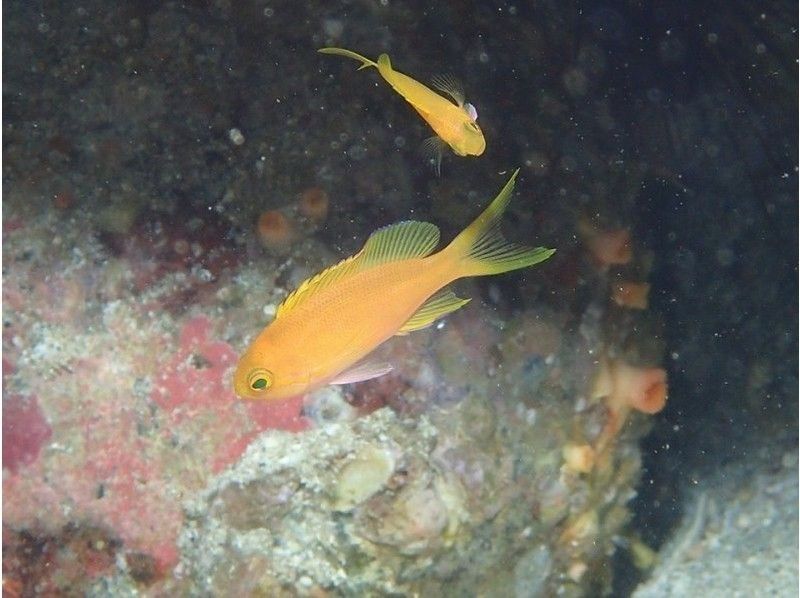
x=626 y=386
x=633 y=295
x=609 y=247
x=314 y=204
x=275 y=230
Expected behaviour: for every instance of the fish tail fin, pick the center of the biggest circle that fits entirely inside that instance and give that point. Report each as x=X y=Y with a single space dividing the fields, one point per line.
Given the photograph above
x=481 y=250
x=365 y=62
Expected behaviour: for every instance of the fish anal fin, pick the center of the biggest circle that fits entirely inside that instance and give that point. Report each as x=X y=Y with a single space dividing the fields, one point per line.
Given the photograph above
x=318 y=282
x=365 y=370
x=401 y=241
x=439 y=305
x=432 y=150
x=450 y=85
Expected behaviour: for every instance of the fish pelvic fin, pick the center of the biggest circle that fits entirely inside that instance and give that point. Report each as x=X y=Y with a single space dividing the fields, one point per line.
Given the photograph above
x=481 y=249
x=365 y=62
x=365 y=370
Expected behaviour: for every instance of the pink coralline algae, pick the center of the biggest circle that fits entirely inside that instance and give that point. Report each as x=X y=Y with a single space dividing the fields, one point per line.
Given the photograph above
x=131 y=454
x=25 y=431
x=193 y=378
x=197 y=379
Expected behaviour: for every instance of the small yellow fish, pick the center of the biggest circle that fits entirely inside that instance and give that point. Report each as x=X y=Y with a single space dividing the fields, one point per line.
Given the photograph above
x=333 y=320
x=454 y=124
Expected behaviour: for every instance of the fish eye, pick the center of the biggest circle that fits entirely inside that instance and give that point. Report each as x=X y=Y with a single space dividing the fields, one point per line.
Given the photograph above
x=259 y=379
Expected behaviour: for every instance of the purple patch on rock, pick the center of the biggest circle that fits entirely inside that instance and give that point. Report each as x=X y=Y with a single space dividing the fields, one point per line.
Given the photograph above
x=25 y=431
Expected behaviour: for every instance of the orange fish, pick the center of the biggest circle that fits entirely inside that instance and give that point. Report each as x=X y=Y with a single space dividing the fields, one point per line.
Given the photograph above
x=455 y=125
x=324 y=329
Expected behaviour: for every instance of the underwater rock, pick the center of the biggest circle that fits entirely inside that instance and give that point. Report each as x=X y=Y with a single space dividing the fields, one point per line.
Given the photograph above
x=119 y=217
x=452 y=472
x=426 y=514
x=531 y=571
x=417 y=518
x=453 y=482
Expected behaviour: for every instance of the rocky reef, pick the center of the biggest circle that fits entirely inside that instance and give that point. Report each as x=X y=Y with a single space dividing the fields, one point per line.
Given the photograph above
x=497 y=440
x=172 y=170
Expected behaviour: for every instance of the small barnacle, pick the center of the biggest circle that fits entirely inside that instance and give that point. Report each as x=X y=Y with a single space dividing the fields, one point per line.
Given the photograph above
x=578 y=458
x=363 y=477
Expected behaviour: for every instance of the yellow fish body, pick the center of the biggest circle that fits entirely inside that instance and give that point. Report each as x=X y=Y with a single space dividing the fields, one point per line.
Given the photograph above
x=324 y=329
x=454 y=124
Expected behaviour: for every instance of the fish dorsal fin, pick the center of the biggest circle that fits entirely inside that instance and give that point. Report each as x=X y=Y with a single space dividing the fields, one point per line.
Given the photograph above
x=400 y=241
x=318 y=282
x=437 y=306
x=450 y=85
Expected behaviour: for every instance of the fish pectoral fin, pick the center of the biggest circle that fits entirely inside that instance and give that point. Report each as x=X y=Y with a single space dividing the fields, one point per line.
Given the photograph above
x=441 y=304
x=365 y=370
x=432 y=150
x=450 y=85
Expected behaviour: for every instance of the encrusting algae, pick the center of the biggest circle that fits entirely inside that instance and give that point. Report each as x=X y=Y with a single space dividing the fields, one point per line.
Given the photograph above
x=333 y=320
